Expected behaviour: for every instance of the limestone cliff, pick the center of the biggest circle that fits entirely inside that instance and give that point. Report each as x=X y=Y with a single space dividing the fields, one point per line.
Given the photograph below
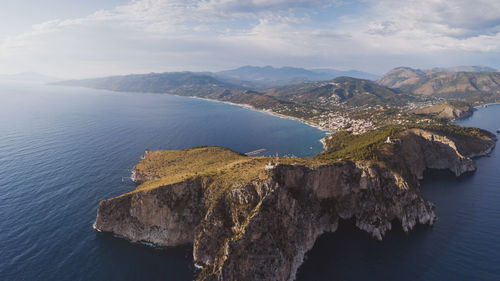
x=249 y=223
x=447 y=110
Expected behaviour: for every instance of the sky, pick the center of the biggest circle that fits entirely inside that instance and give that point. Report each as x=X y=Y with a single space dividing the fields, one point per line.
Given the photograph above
x=92 y=38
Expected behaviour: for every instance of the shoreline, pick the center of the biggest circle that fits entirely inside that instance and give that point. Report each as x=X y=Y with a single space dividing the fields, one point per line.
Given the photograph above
x=486 y=104
x=248 y=106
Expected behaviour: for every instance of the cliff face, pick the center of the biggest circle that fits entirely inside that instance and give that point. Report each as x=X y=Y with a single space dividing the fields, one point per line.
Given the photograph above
x=303 y=204
x=165 y=216
x=261 y=229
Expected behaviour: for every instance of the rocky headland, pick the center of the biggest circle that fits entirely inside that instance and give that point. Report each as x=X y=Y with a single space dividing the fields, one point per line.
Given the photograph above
x=247 y=221
x=447 y=110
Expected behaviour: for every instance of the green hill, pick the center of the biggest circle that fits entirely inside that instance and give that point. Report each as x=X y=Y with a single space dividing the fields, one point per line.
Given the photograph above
x=342 y=91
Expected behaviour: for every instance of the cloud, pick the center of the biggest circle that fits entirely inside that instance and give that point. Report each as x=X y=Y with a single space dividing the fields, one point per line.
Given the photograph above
x=453 y=18
x=170 y=35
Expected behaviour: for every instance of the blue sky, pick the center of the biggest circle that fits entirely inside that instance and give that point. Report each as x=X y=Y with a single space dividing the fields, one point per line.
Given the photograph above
x=76 y=39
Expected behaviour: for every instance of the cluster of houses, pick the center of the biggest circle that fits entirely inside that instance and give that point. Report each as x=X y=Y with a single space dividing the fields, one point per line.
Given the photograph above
x=336 y=122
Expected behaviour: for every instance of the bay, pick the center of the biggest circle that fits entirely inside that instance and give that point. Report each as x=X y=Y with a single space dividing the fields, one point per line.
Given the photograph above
x=63 y=149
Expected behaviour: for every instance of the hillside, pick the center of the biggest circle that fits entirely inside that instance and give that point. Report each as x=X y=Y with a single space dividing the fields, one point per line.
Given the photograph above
x=400 y=77
x=463 y=68
x=342 y=91
x=474 y=87
x=178 y=82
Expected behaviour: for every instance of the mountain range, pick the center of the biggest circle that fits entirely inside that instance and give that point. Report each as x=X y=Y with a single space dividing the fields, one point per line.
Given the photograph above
x=268 y=76
x=245 y=85
x=323 y=95
x=476 y=84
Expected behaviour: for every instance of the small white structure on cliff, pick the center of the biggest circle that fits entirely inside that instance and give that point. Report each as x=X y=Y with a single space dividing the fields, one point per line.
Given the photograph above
x=270 y=165
x=388 y=140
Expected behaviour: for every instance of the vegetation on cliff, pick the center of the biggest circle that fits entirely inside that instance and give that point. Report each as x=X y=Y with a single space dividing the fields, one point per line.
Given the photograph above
x=249 y=222
x=341 y=91
x=371 y=145
x=221 y=166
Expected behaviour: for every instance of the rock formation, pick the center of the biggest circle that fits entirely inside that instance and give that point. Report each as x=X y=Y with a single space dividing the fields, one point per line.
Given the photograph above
x=447 y=110
x=260 y=228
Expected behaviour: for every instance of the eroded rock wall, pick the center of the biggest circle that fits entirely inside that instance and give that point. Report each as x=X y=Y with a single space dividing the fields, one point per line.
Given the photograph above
x=262 y=229
x=164 y=216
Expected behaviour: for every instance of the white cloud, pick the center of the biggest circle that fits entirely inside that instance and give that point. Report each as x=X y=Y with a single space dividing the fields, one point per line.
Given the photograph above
x=169 y=35
x=454 y=18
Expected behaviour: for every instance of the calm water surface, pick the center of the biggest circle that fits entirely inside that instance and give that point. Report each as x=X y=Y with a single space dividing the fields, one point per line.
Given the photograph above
x=62 y=150
x=464 y=244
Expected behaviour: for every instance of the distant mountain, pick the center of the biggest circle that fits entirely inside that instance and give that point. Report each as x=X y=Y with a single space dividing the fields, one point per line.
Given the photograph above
x=300 y=100
x=347 y=73
x=340 y=91
x=401 y=76
x=156 y=83
x=29 y=76
x=473 y=68
x=450 y=83
x=270 y=76
x=180 y=83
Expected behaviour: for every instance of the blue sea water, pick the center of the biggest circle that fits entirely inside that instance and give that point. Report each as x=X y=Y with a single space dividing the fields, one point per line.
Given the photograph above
x=464 y=244
x=62 y=150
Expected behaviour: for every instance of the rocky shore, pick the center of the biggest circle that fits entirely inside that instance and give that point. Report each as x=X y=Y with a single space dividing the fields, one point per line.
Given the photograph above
x=261 y=227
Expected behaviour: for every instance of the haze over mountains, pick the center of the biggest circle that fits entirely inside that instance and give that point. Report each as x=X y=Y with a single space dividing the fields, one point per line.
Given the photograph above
x=268 y=76
x=29 y=76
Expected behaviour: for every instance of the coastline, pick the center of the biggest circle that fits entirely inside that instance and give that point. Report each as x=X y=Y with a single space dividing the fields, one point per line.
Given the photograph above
x=248 y=106
x=486 y=104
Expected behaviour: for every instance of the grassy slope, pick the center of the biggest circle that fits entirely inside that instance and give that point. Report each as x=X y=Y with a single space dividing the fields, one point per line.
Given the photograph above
x=222 y=166
x=371 y=145
x=225 y=168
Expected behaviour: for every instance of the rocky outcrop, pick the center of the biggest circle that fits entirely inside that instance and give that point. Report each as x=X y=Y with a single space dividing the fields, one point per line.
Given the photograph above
x=447 y=110
x=164 y=216
x=455 y=112
x=261 y=229
x=304 y=204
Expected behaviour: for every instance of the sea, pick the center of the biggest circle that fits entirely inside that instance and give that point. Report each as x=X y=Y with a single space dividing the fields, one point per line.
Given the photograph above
x=63 y=149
